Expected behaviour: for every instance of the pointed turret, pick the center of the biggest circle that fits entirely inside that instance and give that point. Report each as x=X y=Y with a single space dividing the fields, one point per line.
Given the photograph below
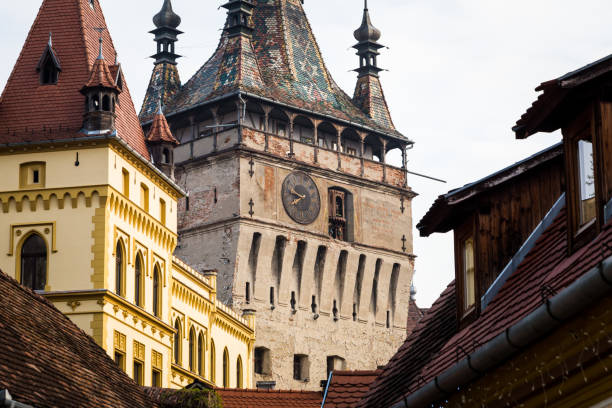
x=101 y=93
x=39 y=102
x=161 y=143
x=239 y=14
x=369 y=96
x=165 y=81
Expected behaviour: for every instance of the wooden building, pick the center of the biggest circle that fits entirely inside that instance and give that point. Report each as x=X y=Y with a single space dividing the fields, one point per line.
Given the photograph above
x=527 y=322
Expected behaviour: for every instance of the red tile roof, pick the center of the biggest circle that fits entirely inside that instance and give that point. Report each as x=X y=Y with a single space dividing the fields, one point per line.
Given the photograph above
x=270 y=399
x=347 y=388
x=101 y=76
x=415 y=314
x=30 y=112
x=547 y=266
x=160 y=130
x=47 y=361
x=241 y=398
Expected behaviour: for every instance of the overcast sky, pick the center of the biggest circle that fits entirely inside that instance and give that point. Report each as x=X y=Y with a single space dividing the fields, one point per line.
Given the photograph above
x=460 y=73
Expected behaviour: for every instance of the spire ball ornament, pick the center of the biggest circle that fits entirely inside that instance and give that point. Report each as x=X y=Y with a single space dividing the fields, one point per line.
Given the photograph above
x=367 y=32
x=166 y=16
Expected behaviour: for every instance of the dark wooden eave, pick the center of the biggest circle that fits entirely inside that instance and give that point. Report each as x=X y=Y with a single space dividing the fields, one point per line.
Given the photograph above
x=547 y=113
x=451 y=208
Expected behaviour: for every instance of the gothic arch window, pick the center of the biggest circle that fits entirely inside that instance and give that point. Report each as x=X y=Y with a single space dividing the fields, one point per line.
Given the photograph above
x=138 y=281
x=226 y=365
x=34 y=262
x=213 y=362
x=157 y=291
x=119 y=269
x=177 y=341
x=239 y=372
x=201 y=357
x=341 y=214
x=192 y=346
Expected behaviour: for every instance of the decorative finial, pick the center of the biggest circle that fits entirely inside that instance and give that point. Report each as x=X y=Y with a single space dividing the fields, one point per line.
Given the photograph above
x=100 y=30
x=50 y=43
x=167 y=17
x=367 y=31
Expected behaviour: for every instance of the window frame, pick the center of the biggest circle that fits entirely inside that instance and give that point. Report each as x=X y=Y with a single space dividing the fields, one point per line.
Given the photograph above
x=27 y=169
x=581 y=128
x=157 y=292
x=121 y=275
x=226 y=368
x=20 y=263
x=463 y=233
x=139 y=281
x=177 y=346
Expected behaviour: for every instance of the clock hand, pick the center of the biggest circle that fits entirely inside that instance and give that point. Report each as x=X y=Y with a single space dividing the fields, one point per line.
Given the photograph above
x=297 y=200
x=297 y=194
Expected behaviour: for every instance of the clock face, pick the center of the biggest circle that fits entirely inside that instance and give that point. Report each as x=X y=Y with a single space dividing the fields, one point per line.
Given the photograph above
x=301 y=197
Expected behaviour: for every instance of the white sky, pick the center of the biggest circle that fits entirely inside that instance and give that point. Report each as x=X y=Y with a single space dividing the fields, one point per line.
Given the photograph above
x=461 y=72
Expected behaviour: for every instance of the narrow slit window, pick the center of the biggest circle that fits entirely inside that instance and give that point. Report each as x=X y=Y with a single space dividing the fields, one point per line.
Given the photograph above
x=587 y=181
x=469 y=282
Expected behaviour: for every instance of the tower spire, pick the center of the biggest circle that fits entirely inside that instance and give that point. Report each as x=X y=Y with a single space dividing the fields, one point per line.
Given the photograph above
x=166 y=34
x=369 y=95
x=100 y=30
x=239 y=14
x=367 y=47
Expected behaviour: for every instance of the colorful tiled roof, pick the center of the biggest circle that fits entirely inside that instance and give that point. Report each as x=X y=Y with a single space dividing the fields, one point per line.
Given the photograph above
x=31 y=112
x=370 y=98
x=160 y=130
x=164 y=84
x=546 y=265
x=347 y=388
x=241 y=398
x=47 y=361
x=282 y=62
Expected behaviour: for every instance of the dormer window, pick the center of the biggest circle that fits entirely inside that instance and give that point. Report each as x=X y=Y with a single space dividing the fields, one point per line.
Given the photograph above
x=466 y=271
x=92 y=4
x=48 y=66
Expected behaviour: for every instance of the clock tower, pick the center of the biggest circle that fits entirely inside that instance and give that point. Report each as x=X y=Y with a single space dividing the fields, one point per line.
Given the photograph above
x=290 y=194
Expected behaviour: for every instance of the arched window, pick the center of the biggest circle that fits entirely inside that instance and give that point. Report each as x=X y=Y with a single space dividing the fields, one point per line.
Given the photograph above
x=34 y=263
x=106 y=103
x=239 y=372
x=201 y=355
x=192 y=345
x=157 y=295
x=119 y=269
x=177 y=341
x=96 y=102
x=166 y=156
x=138 y=277
x=226 y=365
x=213 y=362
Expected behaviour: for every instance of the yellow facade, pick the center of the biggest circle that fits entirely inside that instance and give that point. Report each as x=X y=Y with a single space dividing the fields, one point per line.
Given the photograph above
x=96 y=206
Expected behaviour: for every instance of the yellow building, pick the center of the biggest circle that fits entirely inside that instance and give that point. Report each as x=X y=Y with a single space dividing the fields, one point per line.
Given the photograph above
x=89 y=220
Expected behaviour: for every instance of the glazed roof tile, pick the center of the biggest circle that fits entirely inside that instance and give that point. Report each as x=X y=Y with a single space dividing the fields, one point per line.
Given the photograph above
x=31 y=112
x=47 y=361
x=546 y=265
x=282 y=63
x=347 y=388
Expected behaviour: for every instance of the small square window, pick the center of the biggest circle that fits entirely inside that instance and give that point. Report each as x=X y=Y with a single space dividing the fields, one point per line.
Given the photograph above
x=32 y=175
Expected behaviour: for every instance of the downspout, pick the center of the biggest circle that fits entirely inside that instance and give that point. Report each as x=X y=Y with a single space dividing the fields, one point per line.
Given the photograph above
x=7 y=401
x=329 y=378
x=589 y=288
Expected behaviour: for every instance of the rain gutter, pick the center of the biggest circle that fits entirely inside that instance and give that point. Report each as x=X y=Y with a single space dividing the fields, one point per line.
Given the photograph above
x=594 y=285
x=7 y=401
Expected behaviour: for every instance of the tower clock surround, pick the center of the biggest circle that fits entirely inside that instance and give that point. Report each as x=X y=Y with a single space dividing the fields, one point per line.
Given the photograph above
x=301 y=198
